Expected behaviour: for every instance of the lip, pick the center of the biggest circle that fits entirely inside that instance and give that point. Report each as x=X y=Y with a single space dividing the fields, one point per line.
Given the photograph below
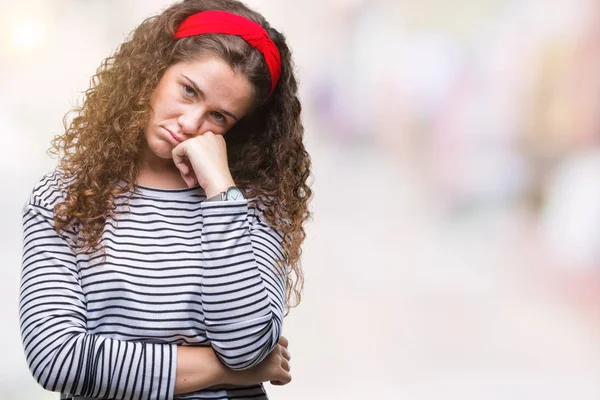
x=173 y=137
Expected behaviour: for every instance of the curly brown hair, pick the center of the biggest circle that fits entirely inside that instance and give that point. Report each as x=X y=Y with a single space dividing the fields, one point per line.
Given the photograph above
x=101 y=146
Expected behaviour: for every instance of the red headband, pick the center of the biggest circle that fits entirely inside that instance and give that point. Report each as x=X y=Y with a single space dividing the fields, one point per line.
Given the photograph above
x=232 y=24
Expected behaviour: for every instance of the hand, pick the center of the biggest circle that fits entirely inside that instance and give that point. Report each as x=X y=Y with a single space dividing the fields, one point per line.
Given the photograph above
x=202 y=160
x=283 y=342
x=275 y=368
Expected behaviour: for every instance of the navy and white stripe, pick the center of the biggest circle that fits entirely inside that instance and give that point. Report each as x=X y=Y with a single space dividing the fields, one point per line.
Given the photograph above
x=178 y=271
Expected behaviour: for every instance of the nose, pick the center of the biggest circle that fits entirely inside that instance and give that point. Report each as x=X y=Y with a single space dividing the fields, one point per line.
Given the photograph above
x=191 y=120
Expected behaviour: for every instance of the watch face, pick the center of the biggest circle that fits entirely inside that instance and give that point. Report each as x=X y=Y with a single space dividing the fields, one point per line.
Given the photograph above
x=234 y=193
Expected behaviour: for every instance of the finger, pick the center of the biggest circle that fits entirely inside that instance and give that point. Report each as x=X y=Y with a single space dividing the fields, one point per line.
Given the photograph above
x=287 y=378
x=283 y=380
x=286 y=354
x=285 y=365
x=283 y=341
x=177 y=153
x=183 y=168
x=189 y=181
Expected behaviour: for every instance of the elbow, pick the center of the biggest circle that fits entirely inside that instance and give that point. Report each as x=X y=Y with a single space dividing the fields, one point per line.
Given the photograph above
x=245 y=361
x=241 y=359
x=42 y=379
x=46 y=376
x=243 y=348
x=46 y=365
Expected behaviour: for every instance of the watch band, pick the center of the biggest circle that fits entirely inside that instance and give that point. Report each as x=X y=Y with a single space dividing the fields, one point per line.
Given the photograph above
x=222 y=196
x=218 y=197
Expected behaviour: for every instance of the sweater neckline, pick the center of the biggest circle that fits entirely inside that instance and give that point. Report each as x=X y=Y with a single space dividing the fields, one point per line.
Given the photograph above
x=195 y=192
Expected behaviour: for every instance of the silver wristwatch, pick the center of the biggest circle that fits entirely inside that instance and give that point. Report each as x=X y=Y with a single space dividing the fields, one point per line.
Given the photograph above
x=231 y=194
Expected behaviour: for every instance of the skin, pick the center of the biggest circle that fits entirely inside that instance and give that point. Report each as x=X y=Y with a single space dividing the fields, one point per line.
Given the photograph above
x=193 y=106
x=198 y=368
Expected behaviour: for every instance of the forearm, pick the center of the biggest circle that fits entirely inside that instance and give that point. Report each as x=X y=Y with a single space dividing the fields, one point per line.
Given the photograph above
x=198 y=368
x=60 y=352
x=241 y=286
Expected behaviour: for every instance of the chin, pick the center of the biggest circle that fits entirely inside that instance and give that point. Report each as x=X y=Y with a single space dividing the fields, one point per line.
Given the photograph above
x=160 y=148
x=165 y=152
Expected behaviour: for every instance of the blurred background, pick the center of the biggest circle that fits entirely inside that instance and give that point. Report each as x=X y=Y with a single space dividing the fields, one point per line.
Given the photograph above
x=454 y=250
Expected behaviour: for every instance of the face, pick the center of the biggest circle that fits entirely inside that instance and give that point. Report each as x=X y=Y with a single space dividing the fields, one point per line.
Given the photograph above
x=191 y=98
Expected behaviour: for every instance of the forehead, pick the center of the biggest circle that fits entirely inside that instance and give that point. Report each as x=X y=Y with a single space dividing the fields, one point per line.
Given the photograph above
x=217 y=80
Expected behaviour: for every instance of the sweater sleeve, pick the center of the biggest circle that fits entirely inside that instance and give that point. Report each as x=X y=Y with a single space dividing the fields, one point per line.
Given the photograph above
x=243 y=289
x=60 y=353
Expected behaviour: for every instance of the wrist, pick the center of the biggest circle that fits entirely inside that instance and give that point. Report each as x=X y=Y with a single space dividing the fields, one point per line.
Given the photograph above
x=198 y=368
x=219 y=372
x=218 y=187
x=236 y=378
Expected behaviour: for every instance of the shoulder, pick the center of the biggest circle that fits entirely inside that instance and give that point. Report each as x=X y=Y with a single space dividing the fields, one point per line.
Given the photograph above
x=49 y=189
x=257 y=208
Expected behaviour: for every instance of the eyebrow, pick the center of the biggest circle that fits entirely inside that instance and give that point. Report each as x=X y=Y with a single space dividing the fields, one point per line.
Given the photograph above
x=201 y=93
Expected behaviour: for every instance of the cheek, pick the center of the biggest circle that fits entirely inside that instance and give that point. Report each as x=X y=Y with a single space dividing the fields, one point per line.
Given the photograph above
x=209 y=126
x=168 y=108
x=166 y=103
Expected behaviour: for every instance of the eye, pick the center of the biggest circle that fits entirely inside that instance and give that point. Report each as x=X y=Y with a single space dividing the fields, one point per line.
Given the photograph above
x=220 y=118
x=189 y=91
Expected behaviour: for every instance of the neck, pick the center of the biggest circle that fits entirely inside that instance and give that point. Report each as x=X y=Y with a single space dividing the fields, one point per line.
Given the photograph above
x=159 y=173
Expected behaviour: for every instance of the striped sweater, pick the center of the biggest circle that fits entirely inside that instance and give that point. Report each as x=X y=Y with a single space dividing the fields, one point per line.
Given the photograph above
x=178 y=271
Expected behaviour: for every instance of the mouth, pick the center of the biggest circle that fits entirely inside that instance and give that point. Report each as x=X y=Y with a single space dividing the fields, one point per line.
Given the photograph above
x=175 y=138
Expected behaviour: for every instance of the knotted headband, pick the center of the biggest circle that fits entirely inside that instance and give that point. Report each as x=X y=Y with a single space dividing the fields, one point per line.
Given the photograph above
x=232 y=24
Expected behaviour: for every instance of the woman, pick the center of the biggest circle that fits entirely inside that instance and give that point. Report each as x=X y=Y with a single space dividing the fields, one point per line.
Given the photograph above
x=160 y=255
